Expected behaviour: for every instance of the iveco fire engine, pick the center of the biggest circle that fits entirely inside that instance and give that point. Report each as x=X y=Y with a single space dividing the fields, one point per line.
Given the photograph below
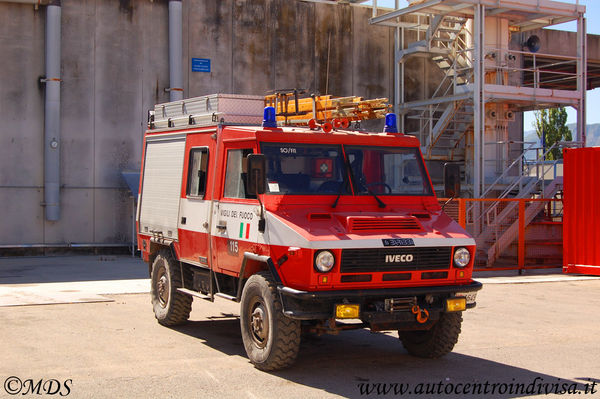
x=311 y=230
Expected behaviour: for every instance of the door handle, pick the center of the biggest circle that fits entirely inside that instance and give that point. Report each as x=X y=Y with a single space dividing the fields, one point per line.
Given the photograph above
x=221 y=226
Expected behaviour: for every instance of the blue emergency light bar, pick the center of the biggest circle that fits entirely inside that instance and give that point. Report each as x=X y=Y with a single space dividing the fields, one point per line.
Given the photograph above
x=269 y=117
x=390 y=123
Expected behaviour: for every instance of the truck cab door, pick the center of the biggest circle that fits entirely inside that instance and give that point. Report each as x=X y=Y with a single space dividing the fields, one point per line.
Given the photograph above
x=194 y=209
x=236 y=216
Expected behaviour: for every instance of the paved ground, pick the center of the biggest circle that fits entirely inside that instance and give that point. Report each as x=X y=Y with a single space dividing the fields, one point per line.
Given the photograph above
x=519 y=334
x=69 y=279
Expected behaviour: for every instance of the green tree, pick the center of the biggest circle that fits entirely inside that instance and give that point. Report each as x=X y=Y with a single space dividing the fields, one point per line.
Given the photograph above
x=553 y=122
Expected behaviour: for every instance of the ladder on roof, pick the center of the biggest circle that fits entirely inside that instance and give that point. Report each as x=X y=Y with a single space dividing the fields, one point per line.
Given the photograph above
x=292 y=110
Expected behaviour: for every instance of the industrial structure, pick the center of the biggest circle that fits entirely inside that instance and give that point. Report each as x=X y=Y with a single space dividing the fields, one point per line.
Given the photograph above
x=483 y=81
x=486 y=78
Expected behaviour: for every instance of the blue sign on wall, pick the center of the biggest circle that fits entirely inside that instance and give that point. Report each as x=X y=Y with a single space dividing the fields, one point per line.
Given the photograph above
x=200 y=64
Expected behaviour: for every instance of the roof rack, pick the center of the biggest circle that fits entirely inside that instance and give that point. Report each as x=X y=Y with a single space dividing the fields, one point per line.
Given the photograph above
x=208 y=111
x=238 y=109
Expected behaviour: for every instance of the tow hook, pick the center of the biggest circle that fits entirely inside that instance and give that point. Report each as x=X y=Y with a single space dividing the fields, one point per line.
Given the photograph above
x=422 y=314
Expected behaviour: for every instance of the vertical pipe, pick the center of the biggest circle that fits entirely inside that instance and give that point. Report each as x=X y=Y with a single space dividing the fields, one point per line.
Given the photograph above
x=175 y=51
x=581 y=79
x=52 y=113
x=477 y=103
x=402 y=83
x=397 y=77
x=398 y=44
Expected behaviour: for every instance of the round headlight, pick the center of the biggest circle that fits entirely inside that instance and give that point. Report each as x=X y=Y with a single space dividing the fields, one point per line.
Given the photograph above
x=324 y=261
x=462 y=256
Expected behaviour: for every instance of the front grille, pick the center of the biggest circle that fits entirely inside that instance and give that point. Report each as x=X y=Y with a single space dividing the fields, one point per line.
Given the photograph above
x=395 y=259
x=369 y=224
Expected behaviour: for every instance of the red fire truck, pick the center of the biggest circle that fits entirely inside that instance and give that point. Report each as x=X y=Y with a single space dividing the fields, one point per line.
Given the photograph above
x=309 y=231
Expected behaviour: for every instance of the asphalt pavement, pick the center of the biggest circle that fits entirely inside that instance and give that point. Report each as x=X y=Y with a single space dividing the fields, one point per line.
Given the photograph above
x=532 y=337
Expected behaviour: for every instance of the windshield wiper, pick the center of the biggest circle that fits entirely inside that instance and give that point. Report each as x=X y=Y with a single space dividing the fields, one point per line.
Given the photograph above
x=343 y=186
x=380 y=202
x=346 y=184
x=353 y=179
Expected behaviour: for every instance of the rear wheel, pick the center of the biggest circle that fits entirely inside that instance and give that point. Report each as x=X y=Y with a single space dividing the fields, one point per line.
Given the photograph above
x=436 y=342
x=171 y=307
x=271 y=339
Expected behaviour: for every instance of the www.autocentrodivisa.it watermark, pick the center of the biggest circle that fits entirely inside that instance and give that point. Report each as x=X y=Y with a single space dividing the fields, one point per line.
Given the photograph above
x=16 y=386
x=538 y=386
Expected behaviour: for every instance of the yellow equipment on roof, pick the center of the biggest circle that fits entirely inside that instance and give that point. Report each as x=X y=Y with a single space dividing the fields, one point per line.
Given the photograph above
x=291 y=110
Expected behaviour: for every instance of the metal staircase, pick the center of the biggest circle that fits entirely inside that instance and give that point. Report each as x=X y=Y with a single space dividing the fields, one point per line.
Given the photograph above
x=496 y=223
x=443 y=126
x=506 y=232
x=479 y=83
x=448 y=132
x=441 y=36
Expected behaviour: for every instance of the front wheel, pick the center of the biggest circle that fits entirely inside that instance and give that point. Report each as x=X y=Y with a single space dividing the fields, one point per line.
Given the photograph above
x=171 y=307
x=436 y=342
x=271 y=339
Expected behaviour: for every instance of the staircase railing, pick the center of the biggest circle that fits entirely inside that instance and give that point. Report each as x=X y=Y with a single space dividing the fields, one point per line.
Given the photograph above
x=455 y=71
x=445 y=87
x=485 y=222
x=505 y=234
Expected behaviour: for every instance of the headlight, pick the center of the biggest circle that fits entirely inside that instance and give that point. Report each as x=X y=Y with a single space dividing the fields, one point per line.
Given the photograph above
x=462 y=256
x=324 y=261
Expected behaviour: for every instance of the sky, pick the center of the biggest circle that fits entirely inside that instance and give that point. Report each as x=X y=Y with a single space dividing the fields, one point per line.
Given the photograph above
x=593 y=27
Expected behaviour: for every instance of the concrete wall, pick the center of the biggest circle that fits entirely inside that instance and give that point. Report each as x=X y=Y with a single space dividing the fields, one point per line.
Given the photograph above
x=559 y=42
x=114 y=68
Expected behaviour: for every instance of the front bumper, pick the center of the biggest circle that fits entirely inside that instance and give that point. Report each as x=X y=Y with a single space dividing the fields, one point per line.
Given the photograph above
x=320 y=305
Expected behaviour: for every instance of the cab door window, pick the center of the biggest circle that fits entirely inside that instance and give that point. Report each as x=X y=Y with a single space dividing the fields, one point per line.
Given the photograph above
x=236 y=173
x=197 y=169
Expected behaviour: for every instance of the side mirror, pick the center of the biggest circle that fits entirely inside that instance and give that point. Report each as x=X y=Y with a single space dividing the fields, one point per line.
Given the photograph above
x=256 y=174
x=451 y=180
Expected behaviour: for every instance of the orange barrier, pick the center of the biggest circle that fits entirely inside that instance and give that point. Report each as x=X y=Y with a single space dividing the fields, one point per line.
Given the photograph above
x=512 y=234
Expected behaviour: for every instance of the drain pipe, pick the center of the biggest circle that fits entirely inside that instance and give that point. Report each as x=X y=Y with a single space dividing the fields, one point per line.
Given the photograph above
x=51 y=106
x=52 y=113
x=175 y=51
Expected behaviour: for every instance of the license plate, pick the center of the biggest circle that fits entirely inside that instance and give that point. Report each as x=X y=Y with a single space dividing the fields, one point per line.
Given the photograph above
x=398 y=242
x=469 y=296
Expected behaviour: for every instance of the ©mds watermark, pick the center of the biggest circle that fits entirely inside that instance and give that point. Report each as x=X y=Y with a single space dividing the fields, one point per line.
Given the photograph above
x=15 y=386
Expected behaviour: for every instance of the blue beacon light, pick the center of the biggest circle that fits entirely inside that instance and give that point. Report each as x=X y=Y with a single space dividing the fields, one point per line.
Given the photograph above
x=390 y=123
x=269 y=117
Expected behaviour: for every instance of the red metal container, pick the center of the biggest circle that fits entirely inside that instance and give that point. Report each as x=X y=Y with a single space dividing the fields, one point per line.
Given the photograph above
x=581 y=222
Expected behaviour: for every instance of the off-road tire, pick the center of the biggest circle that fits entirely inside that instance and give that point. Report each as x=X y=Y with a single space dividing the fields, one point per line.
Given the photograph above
x=171 y=307
x=436 y=342
x=274 y=346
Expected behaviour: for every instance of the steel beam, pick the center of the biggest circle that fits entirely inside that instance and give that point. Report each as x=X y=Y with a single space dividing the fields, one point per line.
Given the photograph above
x=478 y=100
x=581 y=79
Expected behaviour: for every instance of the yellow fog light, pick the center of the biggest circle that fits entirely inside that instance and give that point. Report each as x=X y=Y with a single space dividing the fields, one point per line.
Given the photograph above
x=347 y=311
x=456 y=304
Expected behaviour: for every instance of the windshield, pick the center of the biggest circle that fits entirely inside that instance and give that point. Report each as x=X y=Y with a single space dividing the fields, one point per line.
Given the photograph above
x=387 y=171
x=305 y=169
x=302 y=169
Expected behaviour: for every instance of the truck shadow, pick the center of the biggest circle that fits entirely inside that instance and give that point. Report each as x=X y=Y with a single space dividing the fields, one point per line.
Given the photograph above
x=360 y=363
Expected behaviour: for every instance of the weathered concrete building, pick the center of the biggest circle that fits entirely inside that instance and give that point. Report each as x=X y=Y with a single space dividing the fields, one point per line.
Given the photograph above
x=114 y=68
